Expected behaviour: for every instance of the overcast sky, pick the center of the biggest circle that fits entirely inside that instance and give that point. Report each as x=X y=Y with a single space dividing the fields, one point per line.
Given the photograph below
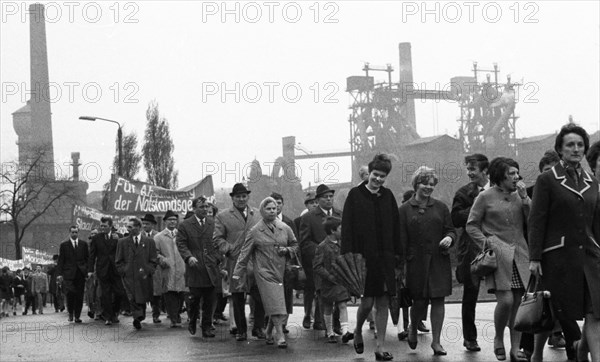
x=186 y=54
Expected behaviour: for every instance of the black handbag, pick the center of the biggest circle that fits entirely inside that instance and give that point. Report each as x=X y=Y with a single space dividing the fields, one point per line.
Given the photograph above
x=294 y=272
x=535 y=312
x=485 y=263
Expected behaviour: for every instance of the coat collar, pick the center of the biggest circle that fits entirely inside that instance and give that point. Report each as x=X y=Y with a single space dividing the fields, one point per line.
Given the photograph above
x=413 y=202
x=265 y=229
x=560 y=174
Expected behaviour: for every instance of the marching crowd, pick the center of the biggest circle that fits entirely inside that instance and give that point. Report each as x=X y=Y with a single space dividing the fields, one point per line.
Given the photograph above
x=547 y=235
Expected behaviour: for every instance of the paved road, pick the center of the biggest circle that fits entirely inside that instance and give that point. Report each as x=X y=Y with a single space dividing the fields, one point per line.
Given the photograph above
x=50 y=337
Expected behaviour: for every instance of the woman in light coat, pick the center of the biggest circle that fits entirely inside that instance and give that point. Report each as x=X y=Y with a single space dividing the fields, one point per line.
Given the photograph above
x=173 y=268
x=497 y=219
x=268 y=244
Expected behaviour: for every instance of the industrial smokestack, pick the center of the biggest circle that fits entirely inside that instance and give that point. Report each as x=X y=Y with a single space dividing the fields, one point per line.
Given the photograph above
x=406 y=83
x=41 y=121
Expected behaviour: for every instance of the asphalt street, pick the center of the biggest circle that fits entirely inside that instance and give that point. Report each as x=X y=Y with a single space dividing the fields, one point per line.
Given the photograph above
x=50 y=337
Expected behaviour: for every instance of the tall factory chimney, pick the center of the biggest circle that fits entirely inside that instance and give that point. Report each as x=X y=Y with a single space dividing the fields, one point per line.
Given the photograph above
x=33 y=122
x=406 y=83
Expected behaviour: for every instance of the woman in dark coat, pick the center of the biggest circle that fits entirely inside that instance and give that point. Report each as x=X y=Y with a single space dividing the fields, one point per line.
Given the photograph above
x=371 y=227
x=426 y=234
x=564 y=241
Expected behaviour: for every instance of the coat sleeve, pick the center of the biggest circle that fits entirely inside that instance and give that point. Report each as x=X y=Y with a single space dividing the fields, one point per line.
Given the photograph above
x=120 y=261
x=60 y=266
x=242 y=261
x=538 y=217
x=347 y=223
x=292 y=243
x=152 y=259
x=475 y=220
x=182 y=240
x=396 y=225
x=461 y=207
x=449 y=229
x=305 y=233
x=220 y=236
x=93 y=256
x=402 y=219
x=319 y=265
x=161 y=258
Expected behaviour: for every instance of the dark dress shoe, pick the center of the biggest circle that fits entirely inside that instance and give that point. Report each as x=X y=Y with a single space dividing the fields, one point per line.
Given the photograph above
x=520 y=357
x=70 y=318
x=233 y=331
x=384 y=356
x=338 y=331
x=156 y=320
x=192 y=327
x=115 y=320
x=258 y=333
x=208 y=334
x=282 y=345
x=136 y=324
x=91 y=315
x=472 y=346
x=306 y=322
x=402 y=335
x=241 y=337
x=440 y=351
x=108 y=323
x=285 y=330
x=332 y=339
x=359 y=347
x=77 y=320
x=421 y=327
x=412 y=340
x=347 y=337
x=318 y=326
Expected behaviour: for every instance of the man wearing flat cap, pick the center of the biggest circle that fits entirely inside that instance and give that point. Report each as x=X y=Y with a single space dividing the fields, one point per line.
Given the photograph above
x=312 y=233
x=310 y=202
x=231 y=226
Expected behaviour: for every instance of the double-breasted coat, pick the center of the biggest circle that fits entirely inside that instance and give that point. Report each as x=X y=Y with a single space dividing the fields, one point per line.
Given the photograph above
x=197 y=241
x=103 y=249
x=371 y=227
x=170 y=262
x=497 y=219
x=261 y=246
x=564 y=234
x=135 y=265
x=230 y=234
x=325 y=282
x=428 y=270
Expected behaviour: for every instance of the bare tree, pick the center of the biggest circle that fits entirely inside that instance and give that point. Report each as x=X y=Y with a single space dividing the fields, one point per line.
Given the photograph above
x=27 y=194
x=158 y=150
x=131 y=157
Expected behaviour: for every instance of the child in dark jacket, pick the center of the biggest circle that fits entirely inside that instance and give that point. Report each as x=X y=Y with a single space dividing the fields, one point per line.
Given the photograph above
x=329 y=290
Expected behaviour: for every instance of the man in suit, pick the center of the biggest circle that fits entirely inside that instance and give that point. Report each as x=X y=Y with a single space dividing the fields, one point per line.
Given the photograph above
x=148 y=230
x=231 y=226
x=103 y=249
x=477 y=166
x=136 y=262
x=310 y=202
x=312 y=233
x=72 y=269
x=198 y=250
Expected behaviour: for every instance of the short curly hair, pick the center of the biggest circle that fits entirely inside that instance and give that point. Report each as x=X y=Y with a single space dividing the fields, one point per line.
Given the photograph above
x=592 y=156
x=422 y=175
x=571 y=128
x=498 y=168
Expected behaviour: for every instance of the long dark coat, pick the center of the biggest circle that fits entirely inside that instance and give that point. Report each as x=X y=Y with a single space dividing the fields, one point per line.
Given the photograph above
x=371 y=227
x=564 y=234
x=136 y=265
x=103 y=250
x=331 y=290
x=197 y=241
x=466 y=248
x=428 y=270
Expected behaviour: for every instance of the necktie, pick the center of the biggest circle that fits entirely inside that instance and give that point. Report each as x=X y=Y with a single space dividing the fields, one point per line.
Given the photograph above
x=328 y=212
x=135 y=240
x=75 y=244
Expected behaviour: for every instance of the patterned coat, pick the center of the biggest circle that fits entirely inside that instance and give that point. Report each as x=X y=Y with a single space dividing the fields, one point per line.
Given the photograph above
x=230 y=234
x=325 y=282
x=170 y=262
x=135 y=265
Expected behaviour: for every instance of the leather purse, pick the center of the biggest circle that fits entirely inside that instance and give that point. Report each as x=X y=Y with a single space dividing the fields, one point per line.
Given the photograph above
x=535 y=312
x=485 y=263
x=294 y=272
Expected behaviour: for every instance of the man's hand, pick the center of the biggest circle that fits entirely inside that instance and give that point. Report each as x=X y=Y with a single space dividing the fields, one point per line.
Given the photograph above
x=235 y=277
x=192 y=261
x=446 y=242
x=90 y=274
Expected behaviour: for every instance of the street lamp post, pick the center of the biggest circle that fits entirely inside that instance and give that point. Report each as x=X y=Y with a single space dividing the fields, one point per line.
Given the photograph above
x=119 y=137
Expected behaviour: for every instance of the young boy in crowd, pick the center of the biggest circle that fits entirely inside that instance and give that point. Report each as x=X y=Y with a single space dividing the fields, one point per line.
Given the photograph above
x=329 y=291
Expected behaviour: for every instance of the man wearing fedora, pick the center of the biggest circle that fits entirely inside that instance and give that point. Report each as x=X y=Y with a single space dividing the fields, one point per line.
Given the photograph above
x=148 y=224
x=231 y=226
x=312 y=233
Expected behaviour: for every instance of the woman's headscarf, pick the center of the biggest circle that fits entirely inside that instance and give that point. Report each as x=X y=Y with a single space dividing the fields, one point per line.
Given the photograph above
x=264 y=204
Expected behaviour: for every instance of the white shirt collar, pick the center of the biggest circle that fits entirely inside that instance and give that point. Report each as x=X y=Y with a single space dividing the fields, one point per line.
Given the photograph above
x=325 y=211
x=280 y=217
